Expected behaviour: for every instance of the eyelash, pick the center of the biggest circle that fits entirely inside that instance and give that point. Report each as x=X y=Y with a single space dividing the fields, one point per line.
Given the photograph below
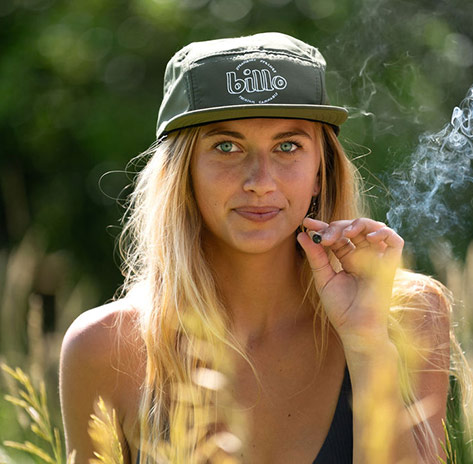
x=298 y=145
x=217 y=144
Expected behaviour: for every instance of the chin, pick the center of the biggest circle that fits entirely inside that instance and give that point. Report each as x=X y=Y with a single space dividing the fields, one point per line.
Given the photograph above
x=261 y=244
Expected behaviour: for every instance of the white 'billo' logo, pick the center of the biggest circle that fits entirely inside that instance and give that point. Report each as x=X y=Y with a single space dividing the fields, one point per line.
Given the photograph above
x=255 y=80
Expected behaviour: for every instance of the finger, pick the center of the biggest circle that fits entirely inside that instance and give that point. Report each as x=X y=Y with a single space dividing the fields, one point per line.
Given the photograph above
x=342 y=247
x=314 y=224
x=394 y=244
x=314 y=228
x=359 y=231
x=392 y=253
x=362 y=226
x=386 y=234
x=332 y=234
x=318 y=260
x=360 y=242
x=375 y=240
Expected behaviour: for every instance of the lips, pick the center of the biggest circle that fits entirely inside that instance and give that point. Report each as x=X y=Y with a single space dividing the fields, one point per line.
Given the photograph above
x=258 y=213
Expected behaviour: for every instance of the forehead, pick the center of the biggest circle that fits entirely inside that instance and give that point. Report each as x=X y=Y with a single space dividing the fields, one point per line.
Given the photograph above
x=260 y=126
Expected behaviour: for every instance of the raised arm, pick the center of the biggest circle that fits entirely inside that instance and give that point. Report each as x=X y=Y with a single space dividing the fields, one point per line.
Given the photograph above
x=356 y=294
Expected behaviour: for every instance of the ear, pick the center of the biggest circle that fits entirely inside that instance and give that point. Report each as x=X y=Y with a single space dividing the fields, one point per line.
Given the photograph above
x=316 y=190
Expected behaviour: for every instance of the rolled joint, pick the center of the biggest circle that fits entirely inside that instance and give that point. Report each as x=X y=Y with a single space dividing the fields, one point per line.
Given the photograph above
x=316 y=237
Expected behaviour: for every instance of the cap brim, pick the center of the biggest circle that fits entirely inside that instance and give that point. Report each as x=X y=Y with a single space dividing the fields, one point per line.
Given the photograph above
x=334 y=115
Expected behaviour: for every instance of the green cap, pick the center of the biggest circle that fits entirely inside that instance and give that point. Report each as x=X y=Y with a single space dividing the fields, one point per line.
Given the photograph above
x=269 y=75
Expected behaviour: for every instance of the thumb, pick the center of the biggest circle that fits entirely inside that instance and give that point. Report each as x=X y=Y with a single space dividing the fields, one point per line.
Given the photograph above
x=322 y=270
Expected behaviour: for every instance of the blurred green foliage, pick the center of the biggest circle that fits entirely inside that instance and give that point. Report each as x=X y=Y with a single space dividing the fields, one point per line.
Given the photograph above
x=80 y=87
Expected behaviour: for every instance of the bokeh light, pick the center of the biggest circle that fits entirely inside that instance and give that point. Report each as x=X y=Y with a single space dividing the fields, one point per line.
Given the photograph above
x=458 y=49
x=81 y=83
x=230 y=10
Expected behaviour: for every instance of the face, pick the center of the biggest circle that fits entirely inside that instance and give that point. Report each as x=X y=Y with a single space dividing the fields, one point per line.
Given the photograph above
x=253 y=180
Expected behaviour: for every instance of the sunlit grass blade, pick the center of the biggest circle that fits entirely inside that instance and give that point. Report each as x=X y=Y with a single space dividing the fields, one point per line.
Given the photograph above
x=35 y=406
x=71 y=459
x=103 y=431
x=30 y=448
x=447 y=448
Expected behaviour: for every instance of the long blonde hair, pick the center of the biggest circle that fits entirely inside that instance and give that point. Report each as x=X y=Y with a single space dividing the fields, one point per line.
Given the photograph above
x=184 y=325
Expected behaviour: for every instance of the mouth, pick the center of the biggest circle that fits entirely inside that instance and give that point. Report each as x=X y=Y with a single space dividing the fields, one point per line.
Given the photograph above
x=258 y=213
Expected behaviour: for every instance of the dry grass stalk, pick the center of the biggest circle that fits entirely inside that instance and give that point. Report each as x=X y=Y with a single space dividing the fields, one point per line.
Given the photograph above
x=34 y=403
x=103 y=431
x=18 y=281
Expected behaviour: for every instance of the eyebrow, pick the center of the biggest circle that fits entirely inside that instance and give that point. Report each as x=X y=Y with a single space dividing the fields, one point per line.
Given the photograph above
x=238 y=135
x=284 y=135
x=228 y=133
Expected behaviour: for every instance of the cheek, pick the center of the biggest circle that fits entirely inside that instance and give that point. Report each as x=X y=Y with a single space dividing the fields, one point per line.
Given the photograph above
x=302 y=180
x=303 y=184
x=210 y=186
x=203 y=193
x=213 y=176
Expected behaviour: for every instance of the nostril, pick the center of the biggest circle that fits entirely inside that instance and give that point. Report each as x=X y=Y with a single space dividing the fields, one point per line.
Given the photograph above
x=260 y=183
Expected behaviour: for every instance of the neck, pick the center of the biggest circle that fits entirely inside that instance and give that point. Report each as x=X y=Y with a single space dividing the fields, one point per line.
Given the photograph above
x=262 y=292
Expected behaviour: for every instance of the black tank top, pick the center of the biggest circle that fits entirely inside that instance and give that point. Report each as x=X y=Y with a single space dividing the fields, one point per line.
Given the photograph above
x=338 y=445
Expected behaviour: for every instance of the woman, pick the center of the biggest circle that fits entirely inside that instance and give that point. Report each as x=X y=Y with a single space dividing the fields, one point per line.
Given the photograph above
x=239 y=337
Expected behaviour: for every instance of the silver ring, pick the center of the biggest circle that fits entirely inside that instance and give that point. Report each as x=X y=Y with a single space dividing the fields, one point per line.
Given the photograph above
x=346 y=248
x=362 y=244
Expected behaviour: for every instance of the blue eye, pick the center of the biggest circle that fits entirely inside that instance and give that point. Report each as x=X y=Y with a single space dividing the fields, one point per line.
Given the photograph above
x=226 y=147
x=287 y=147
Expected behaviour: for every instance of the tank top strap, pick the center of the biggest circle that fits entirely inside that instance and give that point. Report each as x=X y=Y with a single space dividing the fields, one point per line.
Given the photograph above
x=338 y=445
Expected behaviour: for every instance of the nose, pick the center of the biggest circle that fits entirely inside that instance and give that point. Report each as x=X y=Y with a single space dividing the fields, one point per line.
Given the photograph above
x=260 y=178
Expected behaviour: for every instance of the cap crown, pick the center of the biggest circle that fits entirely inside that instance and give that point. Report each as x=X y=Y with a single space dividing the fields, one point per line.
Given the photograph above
x=263 y=75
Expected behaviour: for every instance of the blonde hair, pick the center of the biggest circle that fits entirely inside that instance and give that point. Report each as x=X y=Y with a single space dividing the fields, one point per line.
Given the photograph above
x=184 y=325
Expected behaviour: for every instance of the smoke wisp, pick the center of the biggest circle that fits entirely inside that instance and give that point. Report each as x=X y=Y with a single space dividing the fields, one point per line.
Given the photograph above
x=431 y=195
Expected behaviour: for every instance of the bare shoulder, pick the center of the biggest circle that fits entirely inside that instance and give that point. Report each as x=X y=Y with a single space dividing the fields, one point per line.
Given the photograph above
x=103 y=350
x=101 y=356
x=421 y=308
x=421 y=303
x=100 y=338
x=98 y=333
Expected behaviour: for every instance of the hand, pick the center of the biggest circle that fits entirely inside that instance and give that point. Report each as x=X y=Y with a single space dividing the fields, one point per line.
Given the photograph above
x=355 y=285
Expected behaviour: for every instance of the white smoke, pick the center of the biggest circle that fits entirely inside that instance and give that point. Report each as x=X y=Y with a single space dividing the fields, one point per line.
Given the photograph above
x=431 y=195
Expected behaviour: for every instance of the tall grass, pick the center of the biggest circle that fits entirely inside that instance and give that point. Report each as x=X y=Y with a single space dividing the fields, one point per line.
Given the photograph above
x=27 y=273
x=36 y=432
x=103 y=431
x=458 y=277
x=34 y=403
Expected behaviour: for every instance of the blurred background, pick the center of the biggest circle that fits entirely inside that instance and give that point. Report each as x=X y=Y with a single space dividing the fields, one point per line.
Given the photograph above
x=80 y=87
